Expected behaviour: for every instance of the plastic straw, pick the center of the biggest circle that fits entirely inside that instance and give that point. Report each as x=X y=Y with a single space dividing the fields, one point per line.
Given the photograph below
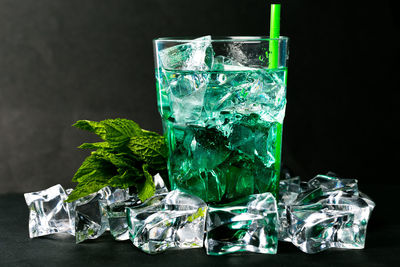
x=274 y=32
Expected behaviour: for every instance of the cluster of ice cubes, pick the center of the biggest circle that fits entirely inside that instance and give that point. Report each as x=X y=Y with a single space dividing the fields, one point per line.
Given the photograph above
x=196 y=83
x=86 y=218
x=167 y=220
x=325 y=212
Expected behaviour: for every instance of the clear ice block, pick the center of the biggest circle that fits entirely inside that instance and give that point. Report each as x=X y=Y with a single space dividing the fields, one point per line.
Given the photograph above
x=159 y=184
x=193 y=55
x=222 y=63
x=116 y=217
x=186 y=96
x=333 y=223
x=169 y=220
x=116 y=214
x=328 y=212
x=331 y=183
x=246 y=225
x=90 y=220
x=289 y=190
x=49 y=213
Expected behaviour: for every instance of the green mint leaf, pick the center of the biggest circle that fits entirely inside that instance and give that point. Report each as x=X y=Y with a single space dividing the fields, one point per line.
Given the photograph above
x=85 y=188
x=94 y=166
x=118 y=160
x=147 y=189
x=151 y=149
x=125 y=180
x=91 y=126
x=98 y=145
x=90 y=164
x=122 y=161
x=146 y=132
x=126 y=159
x=119 y=131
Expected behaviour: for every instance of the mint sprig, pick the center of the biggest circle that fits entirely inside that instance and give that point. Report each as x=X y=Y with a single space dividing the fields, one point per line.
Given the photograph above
x=127 y=157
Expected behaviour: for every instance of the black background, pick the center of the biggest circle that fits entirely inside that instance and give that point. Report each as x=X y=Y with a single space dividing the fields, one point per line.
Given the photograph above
x=61 y=61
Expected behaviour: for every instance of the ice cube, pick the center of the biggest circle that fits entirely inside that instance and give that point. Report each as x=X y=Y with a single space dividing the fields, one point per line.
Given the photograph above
x=289 y=190
x=244 y=53
x=229 y=92
x=335 y=222
x=207 y=147
x=116 y=217
x=159 y=184
x=331 y=183
x=90 y=220
x=246 y=225
x=170 y=220
x=309 y=196
x=328 y=212
x=368 y=200
x=186 y=96
x=268 y=95
x=49 y=213
x=222 y=63
x=196 y=54
x=255 y=138
x=194 y=163
x=116 y=214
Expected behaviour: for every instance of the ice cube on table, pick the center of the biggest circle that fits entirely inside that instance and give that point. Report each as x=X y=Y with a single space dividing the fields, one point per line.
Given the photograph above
x=169 y=220
x=368 y=200
x=341 y=223
x=49 y=213
x=246 y=225
x=116 y=215
x=289 y=190
x=328 y=212
x=331 y=183
x=90 y=220
x=196 y=54
x=159 y=184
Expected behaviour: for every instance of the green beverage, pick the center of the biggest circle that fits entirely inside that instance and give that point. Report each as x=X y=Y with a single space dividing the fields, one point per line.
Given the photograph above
x=222 y=116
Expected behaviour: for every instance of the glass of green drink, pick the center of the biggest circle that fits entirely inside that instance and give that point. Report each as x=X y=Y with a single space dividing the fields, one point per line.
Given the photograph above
x=222 y=103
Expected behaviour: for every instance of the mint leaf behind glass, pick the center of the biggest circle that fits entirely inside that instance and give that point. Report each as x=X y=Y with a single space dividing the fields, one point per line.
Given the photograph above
x=126 y=179
x=92 y=176
x=91 y=126
x=150 y=149
x=119 y=131
x=90 y=164
x=98 y=145
x=128 y=157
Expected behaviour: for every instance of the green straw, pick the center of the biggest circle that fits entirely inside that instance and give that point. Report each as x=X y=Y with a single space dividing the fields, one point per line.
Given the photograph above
x=274 y=29
x=274 y=32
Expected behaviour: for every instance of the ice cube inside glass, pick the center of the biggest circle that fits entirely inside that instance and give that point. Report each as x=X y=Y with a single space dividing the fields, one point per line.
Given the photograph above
x=222 y=109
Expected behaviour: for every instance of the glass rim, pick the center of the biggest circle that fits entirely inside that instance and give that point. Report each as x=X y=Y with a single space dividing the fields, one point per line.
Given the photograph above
x=220 y=39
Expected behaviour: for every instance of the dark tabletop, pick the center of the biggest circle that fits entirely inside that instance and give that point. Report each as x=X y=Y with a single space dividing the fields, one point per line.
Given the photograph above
x=17 y=249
